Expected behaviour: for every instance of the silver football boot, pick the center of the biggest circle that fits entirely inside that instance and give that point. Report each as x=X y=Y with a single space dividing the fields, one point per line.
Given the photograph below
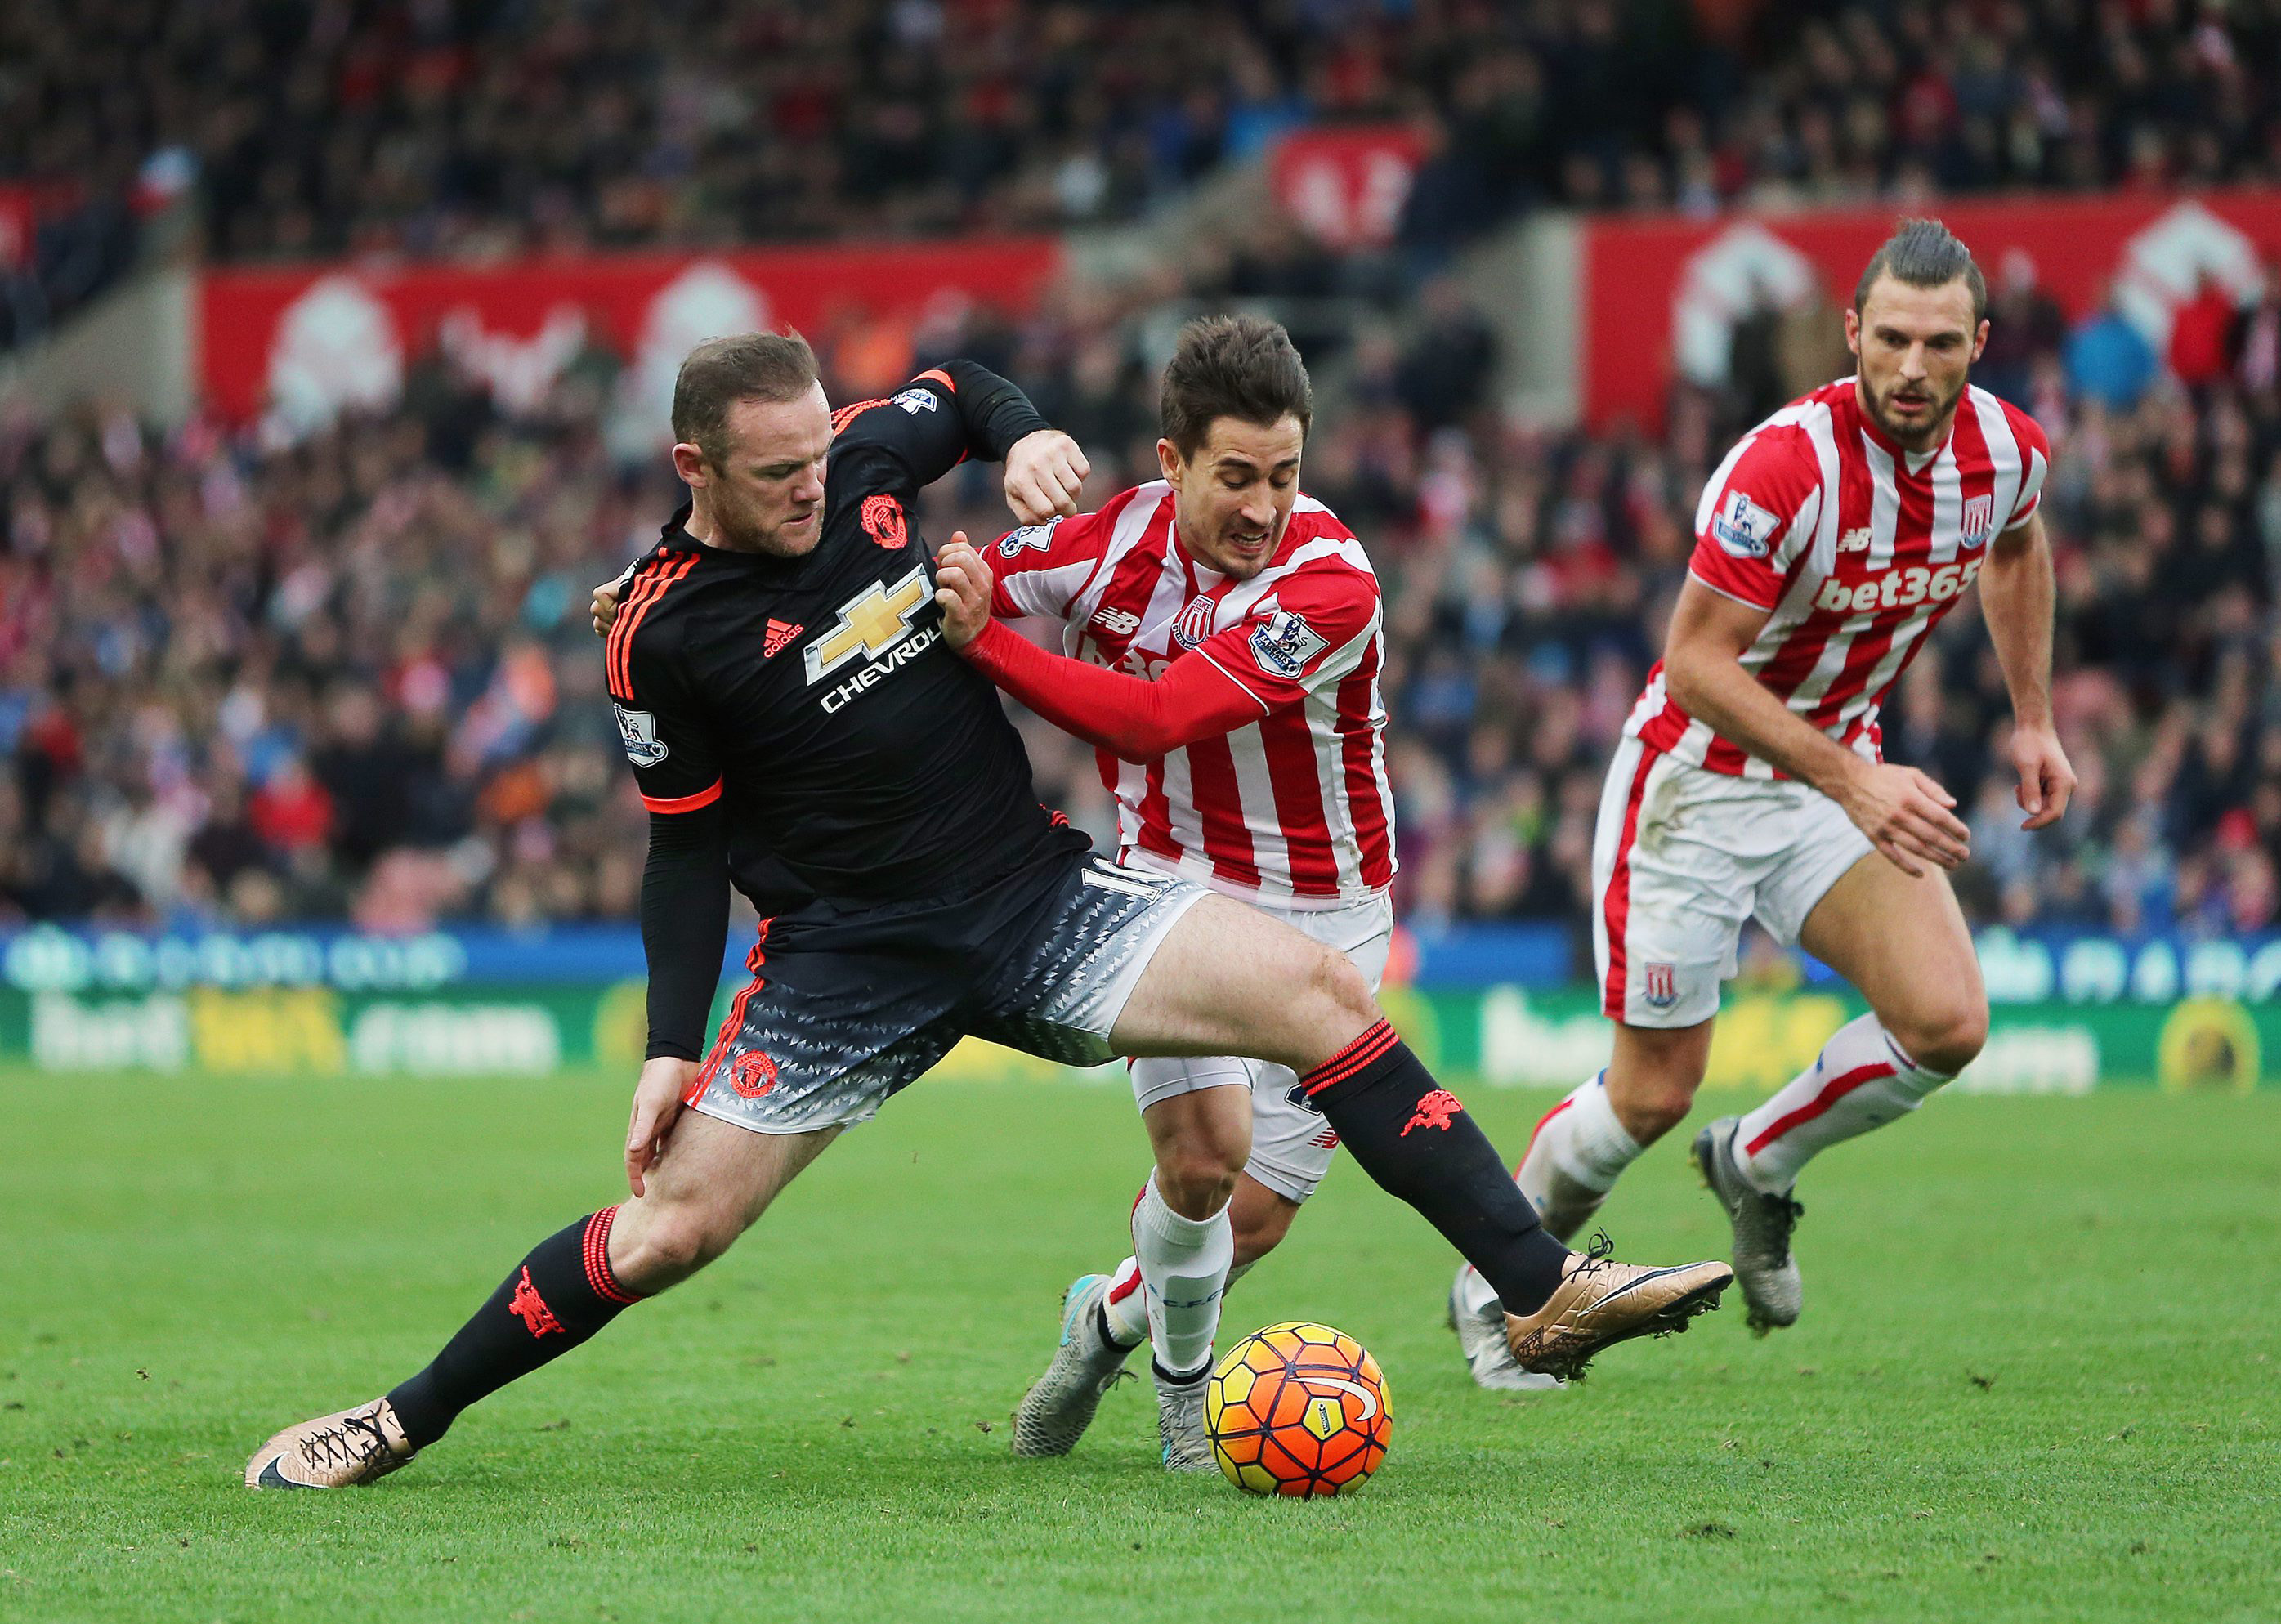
x=1180 y=1422
x=1488 y=1355
x=1054 y=1412
x=1772 y=1291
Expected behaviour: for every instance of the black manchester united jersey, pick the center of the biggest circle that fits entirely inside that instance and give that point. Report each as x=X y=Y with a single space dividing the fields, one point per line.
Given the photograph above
x=854 y=755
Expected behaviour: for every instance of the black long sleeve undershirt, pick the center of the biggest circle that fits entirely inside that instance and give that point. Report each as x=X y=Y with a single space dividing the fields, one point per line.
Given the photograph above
x=995 y=411
x=684 y=926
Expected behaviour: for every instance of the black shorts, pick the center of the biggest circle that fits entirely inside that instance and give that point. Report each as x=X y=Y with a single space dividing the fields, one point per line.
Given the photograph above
x=846 y=1005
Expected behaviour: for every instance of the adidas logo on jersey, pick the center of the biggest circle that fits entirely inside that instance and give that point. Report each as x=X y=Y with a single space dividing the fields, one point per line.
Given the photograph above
x=1117 y=623
x=779 y=634
x=1896 y=588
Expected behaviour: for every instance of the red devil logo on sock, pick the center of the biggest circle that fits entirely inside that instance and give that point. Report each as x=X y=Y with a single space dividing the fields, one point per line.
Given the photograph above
x=1437 y=1110
x=528 y=1306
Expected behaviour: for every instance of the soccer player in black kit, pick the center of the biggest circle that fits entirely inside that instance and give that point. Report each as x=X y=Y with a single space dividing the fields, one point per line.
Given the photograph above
x=799 y=728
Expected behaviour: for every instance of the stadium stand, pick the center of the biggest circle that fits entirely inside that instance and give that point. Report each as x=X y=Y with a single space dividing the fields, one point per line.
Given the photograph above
x=246 y=680
x=472 y=127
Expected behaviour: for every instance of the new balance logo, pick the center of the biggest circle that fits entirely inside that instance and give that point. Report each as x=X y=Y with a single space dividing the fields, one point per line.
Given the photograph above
x=1854 y=541
x=528 y=1306
x=779 y=634
x=1117 y=623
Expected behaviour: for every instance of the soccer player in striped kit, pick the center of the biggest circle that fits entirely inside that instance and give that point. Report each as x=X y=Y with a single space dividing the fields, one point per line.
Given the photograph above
x=1829 y=544
x=1221 y=649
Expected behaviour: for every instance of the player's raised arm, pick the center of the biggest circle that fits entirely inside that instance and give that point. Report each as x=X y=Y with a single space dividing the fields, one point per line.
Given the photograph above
x=1240 y=675
x=959 y=410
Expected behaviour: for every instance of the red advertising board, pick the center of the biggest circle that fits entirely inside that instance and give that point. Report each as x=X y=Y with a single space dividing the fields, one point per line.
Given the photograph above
x=19 y=218
x=309 y=338
x=1661 y=294
x=1347 y=184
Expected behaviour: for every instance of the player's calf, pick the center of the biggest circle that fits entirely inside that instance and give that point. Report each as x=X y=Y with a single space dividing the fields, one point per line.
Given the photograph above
x=1862 y=1079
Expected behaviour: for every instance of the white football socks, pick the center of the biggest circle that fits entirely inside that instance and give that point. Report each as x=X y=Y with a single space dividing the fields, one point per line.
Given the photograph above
x=1862 y=1079
x=1581 y=1136
x=1126 y=1307
x=1184 y=1268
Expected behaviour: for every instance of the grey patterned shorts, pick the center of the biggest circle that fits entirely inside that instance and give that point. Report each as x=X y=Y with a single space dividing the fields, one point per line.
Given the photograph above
x=847 y=1005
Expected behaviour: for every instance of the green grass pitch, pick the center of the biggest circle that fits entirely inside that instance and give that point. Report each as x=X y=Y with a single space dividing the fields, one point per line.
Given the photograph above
x=2037 y=1378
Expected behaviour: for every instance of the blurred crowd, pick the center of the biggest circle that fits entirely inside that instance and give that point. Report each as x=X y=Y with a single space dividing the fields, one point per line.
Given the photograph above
x=243 y=679
x=477 y=126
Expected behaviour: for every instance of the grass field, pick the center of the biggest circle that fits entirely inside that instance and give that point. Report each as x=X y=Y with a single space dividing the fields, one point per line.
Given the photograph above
x=2037 y=1378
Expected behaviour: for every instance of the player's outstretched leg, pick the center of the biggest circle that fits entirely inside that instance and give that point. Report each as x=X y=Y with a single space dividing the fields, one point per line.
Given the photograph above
x=1902 y=940
x=1228 y=978
x=712 y=1182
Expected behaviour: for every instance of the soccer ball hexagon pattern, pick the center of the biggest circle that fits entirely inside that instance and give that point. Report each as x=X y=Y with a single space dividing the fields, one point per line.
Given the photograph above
x=1300 y=1410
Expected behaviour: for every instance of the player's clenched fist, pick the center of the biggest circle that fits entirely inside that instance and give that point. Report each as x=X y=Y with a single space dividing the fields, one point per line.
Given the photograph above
x=1044 y=472
x=1908 y=816
x=962 y=588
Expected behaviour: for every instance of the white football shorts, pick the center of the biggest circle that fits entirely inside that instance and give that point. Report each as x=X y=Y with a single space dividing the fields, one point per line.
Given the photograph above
x=1291 y=1144
x=1680 y=857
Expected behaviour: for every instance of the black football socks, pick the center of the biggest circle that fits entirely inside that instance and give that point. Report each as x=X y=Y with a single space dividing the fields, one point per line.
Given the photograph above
x=557 y=1297
x=1411 y=1136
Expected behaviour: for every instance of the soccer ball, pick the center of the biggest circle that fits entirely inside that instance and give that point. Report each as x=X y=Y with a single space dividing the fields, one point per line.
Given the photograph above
x=1299 y=1410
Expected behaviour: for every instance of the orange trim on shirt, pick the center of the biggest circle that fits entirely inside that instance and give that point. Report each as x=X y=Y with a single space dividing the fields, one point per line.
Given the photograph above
x=635 y=611
x=684 y=803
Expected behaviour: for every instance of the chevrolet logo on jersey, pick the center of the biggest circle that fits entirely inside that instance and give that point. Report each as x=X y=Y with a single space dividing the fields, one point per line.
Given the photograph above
x=876 y=623
x=872 y=621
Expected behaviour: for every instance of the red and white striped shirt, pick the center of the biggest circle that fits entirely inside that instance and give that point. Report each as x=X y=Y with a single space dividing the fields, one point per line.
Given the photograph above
x=1293 y=809
x=1855 y=546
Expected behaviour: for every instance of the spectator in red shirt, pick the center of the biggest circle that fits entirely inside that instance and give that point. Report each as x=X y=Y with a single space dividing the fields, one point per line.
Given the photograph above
x=292 y=812
x=2200 y=333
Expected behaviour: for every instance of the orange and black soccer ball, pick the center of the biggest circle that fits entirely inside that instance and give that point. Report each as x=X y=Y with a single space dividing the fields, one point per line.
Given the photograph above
x=1298 y=1410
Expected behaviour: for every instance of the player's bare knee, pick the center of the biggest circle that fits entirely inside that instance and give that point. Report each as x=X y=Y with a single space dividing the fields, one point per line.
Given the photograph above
x=1947 y=1040
x=1335 y=983
x=1196 y=1178
x=673 y=1243
x=1652 y=1110
x=1652 y=1079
